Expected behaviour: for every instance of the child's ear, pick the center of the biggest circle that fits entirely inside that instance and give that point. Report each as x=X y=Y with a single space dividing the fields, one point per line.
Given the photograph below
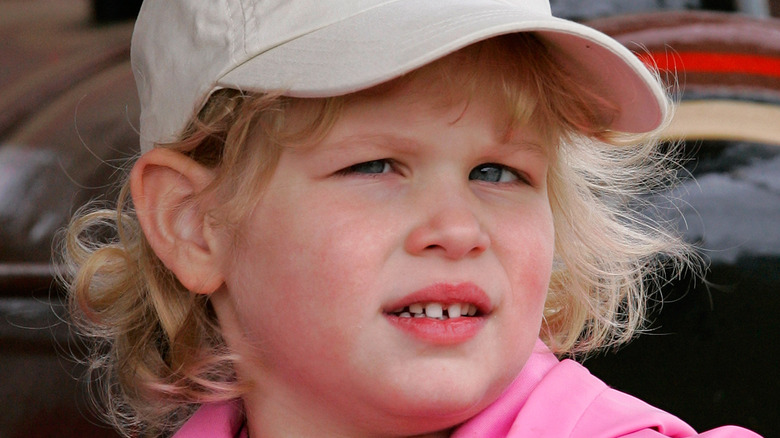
x=164 y=185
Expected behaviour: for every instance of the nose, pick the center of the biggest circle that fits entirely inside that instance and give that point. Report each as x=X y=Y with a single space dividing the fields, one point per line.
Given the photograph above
x=449 y=228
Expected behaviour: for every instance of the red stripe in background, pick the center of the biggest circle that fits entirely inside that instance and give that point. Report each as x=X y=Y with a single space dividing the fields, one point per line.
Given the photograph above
x=702 y=62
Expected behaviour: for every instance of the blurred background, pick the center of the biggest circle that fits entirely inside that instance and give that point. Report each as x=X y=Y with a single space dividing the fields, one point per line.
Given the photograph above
x=68 y=118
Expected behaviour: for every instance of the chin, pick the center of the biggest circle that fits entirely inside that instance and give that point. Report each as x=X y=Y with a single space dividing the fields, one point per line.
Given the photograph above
x=430 y=416
x=444 y=405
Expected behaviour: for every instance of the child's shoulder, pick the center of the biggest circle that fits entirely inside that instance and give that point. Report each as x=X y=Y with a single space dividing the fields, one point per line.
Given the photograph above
x=562 y=398
x=215 y=420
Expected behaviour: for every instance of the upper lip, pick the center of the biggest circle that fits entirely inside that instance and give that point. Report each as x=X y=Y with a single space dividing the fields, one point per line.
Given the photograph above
x=446 y=293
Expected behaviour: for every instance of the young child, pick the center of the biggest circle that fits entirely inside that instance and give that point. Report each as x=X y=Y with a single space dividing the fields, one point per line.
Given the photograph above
x=376 y=218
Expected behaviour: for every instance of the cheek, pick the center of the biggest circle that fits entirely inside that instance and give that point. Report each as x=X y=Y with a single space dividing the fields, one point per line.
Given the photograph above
x=529 y=253
x=297 y=270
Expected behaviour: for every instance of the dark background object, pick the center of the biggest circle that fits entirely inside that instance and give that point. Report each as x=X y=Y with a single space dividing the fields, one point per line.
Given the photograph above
x=109 y=11
x=68 y=108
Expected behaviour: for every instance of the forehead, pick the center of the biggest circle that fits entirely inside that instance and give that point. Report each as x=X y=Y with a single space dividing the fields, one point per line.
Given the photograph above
x=435 y=94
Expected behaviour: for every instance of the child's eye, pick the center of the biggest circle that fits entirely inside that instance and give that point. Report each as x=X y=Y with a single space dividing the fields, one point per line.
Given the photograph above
x=372 y=167
x=495 y=173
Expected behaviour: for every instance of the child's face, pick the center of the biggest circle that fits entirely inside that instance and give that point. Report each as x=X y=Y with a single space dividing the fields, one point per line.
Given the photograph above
x=405 y=202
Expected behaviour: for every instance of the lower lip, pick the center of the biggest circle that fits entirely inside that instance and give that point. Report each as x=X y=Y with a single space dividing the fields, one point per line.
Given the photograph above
x=439 y=332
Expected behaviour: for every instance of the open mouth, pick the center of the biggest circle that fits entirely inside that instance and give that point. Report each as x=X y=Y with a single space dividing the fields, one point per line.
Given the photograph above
x=438 y=311
x=442 y=314
x=439 y=323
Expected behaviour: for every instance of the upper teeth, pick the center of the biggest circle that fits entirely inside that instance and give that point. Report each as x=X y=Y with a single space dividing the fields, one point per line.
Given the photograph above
x=437 y=310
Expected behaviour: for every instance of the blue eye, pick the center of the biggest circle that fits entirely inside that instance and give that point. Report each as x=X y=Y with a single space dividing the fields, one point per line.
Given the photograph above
x=369 y=167
x=493 y=173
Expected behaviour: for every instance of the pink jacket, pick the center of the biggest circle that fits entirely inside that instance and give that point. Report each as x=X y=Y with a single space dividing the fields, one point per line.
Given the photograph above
x=549 y=398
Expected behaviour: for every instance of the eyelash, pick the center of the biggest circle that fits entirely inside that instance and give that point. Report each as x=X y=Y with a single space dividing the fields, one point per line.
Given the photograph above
x=521 y=178
x=355 y=168
x=388 y=164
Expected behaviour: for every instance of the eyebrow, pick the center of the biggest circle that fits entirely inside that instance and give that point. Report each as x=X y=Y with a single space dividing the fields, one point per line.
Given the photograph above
x=389 y=141
x=531 y=147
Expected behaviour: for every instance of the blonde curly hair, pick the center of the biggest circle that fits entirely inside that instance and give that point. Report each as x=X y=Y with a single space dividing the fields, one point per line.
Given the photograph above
x=157 y=348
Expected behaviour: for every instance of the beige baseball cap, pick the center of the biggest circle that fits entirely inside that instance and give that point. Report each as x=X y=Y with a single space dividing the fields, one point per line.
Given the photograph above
x=183 y=50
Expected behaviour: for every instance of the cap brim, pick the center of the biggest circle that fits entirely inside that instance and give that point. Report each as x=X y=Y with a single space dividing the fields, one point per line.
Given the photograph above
x=397 y=37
